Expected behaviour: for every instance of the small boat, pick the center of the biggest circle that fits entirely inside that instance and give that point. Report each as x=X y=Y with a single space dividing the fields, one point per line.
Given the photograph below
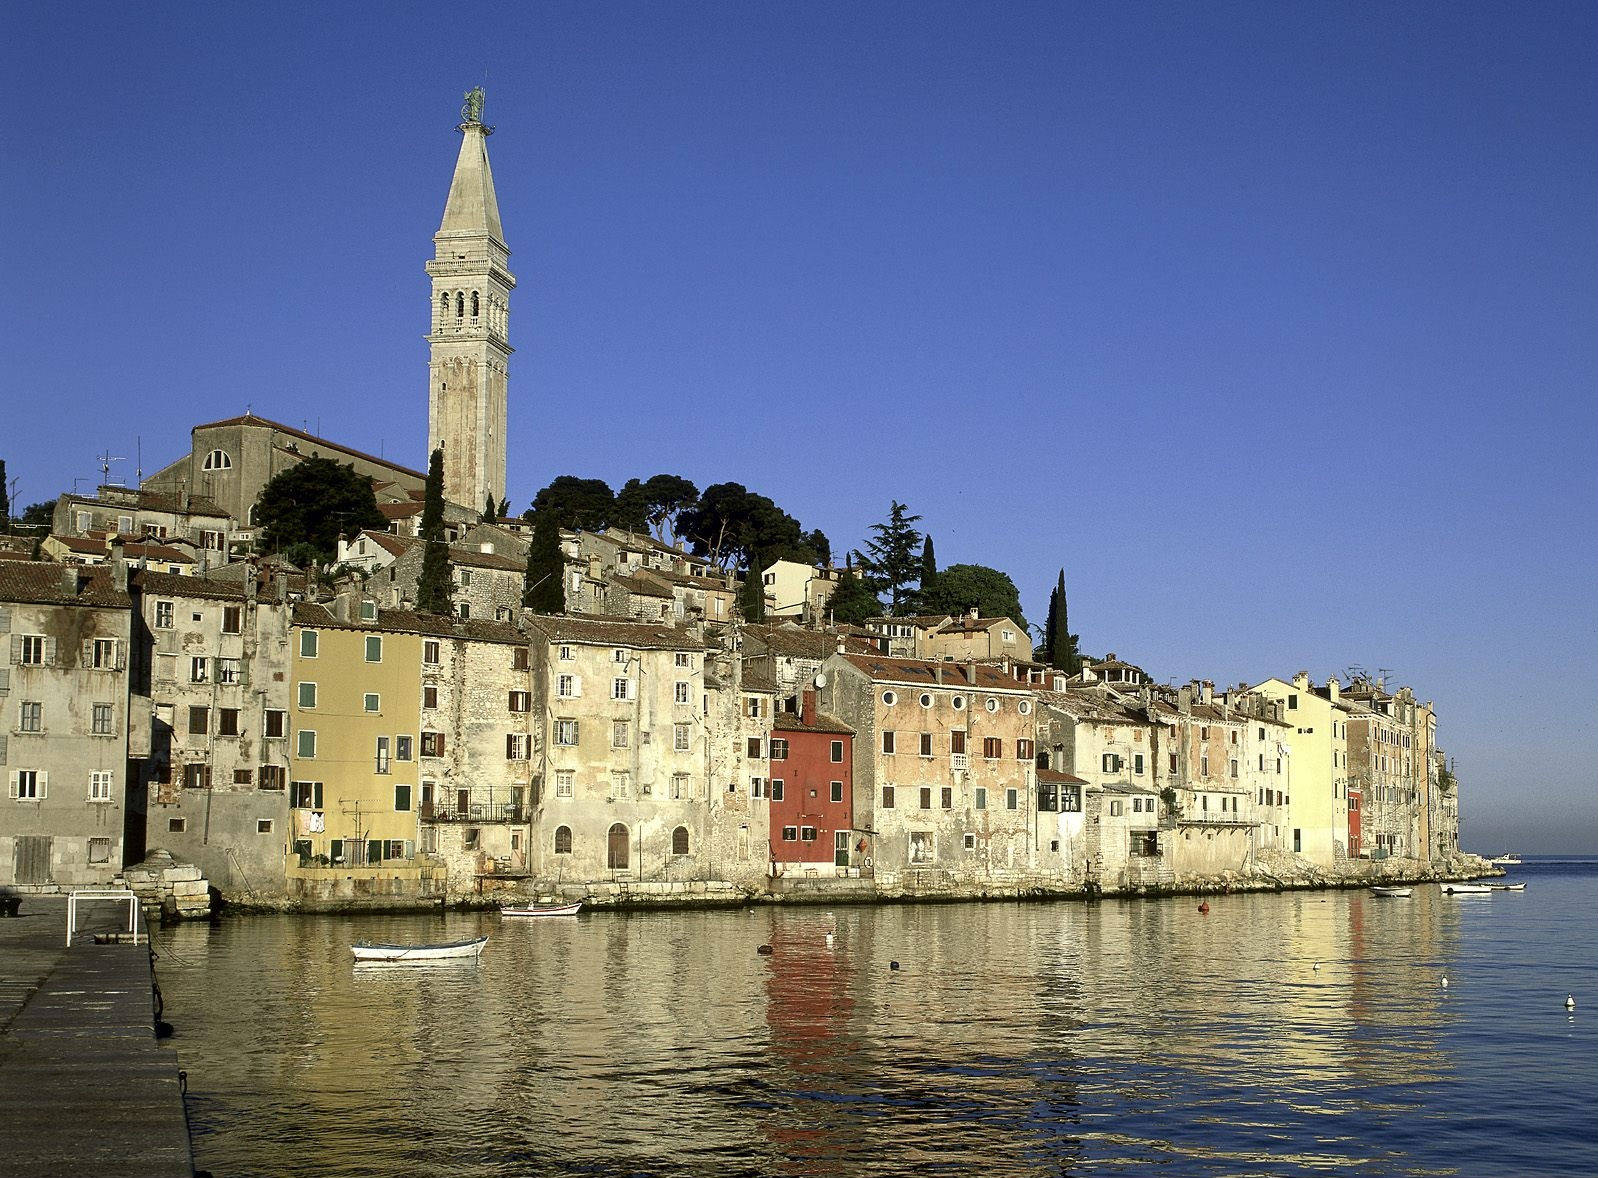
x=1505 y=861
x=368 y=951
x=536 y=910
x=1397 y=893
x=1466 y=889
x=1509 y=887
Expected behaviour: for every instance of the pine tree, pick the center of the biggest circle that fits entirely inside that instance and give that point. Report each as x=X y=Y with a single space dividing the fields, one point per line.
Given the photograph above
x=544 y=584
x=434 y=589
x=752 y=595
x=851 y=602
x=889 y=563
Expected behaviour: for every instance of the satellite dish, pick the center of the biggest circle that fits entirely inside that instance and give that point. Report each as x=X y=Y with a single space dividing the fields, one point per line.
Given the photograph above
x=821 y=680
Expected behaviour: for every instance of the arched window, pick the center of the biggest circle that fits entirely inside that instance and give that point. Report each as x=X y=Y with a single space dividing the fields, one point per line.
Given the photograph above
x=474 y=304
x=217 y=460
x=679 y=841
x=460 y=304
x=443 y=305
x=616 y=851
x=563 y=840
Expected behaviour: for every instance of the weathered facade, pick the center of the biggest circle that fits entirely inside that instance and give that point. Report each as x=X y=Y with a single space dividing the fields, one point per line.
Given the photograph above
x=812 y=791
x=66 y=633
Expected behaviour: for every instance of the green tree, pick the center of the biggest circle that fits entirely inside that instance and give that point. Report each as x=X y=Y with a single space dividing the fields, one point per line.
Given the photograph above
x=37 y=516
x=313 y=502
x=574 y=503
x=929 y=572
x=890 y=564
x=5 y=498
x=489 y=515
x=544 y=583
x=730 y=525
x=1059 y=644
x=435 y=588
x=851 y=602
x=752 y=595
x=655 y=505
x=961 y=586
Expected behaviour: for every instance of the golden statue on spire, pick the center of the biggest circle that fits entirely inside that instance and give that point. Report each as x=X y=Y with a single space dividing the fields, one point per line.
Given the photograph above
x=472 y=108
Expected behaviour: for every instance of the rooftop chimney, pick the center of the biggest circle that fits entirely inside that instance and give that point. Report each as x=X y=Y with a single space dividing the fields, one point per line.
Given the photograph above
x=807 y=706
x=1334 y=689
x=1301 y=680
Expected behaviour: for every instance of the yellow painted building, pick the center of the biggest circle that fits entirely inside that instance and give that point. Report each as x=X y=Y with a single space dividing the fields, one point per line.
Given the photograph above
x=355 y=707
x=1316 y=817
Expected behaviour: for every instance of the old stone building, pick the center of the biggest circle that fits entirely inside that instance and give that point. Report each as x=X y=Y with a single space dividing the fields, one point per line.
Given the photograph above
x=66 y=632
x=1198 y=758
x=799 y=591
x=972 y=637
x=622 y=752
x=209 y=741
x=1390 y=736
x=943 y=767
x=170 y=515
x=468 y=385
x=811 y=791
x=486 y=585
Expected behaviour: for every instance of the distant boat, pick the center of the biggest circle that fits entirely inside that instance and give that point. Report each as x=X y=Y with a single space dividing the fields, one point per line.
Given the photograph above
x=368 y=951
x=1466 y=889
x=535 y=910
x=1505 y=861
x=1397 y=893
x=1513 y=887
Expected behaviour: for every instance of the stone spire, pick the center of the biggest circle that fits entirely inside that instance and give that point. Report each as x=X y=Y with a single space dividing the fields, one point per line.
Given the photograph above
x=470 y=348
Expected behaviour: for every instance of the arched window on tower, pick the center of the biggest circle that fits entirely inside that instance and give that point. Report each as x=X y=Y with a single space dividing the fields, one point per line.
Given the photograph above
x=443 y=307
x=460 y=304
x=474 y=305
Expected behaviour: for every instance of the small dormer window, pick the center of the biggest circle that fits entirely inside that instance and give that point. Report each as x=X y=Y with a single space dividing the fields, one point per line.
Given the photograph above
x=368 y=611
x=217 y=460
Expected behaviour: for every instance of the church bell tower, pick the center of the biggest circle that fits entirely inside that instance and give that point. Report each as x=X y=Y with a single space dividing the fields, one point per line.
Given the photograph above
x=469 y=368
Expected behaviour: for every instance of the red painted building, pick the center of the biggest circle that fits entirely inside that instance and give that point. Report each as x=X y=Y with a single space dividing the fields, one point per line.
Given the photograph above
x=1354 y=847
x=812 y=789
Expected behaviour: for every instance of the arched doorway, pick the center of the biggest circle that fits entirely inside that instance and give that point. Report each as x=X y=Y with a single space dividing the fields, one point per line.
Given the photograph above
x=616 y=858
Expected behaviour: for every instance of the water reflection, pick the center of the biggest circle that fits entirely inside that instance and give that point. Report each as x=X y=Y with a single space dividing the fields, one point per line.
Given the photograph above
x=1013 y=1039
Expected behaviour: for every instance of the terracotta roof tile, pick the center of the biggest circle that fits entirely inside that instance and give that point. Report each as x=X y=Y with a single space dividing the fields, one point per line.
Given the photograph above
x=45 y=583
x=921 y=672
x=583 y=628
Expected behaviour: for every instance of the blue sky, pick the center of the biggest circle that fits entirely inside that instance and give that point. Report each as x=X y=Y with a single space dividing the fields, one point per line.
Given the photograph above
x=1273 y=324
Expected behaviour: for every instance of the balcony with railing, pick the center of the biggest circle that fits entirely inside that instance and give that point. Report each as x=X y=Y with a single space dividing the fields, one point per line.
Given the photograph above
x=487 y=812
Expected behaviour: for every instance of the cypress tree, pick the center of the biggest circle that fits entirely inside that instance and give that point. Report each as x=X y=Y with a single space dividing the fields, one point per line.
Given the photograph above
x=434 y=589
x=752 y=596
x=1048 y=625
x=5 y=498
x=1062 y=644
x=488 y=515
x=544 y=584
x=929 y=569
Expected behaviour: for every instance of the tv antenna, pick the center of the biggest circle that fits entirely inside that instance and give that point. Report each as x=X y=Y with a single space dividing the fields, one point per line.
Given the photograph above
x=105 y=461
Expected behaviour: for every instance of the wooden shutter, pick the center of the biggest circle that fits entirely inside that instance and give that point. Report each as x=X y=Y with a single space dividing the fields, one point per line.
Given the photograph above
x=15 y=788
x=44 y=784
x=16 y=648
x=49 y=652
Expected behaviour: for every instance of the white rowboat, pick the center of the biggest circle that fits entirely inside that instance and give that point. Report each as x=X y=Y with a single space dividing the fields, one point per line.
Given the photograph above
x=1465 y=889
x=367 y=951
x=533 y=910
x=1397 y=893
x=1514 y=887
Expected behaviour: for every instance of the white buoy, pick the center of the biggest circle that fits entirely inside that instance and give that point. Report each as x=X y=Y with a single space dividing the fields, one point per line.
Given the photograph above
x=829 y=940
x=1316 y=967
x=1445 y=981
x=1570 y=1002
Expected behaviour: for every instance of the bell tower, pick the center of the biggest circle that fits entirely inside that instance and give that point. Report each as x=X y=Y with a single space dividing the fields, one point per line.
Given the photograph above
x=469 y=366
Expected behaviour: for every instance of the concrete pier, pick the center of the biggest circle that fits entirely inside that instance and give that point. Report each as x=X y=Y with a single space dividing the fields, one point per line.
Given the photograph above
x=85 y=1085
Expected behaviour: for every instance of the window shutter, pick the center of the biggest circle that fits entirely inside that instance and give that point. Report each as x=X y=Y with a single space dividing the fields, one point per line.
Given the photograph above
x=5 y=680
x=121 y=655
x=510 y=746
x=577 y=686
x=14 y=787
x=2 y=748
x=16 y=648
x=5 y=620
x=88 y=652
x=49 y=652
x=410 y=849
x=441 y=744
x=44 y=784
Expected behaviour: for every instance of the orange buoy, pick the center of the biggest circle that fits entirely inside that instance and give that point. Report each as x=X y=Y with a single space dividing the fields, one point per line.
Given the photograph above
x=1204 y=907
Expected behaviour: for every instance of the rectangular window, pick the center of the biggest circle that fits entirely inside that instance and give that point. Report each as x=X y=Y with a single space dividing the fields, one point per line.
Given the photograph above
x=199 y=721
x=887 y=741
x=620 y=734
x=926 y=744
x=521 y=702
x=566 y=732
x=680 y=692
x=621 y=689
x=518 y=746
x=371 y=702
x=263 y=826
x=402 y=797
x=982 y=797
x=947 y=798
x=1025 y=750
x=227 y=721
x=957 y=742
x=374 y=648
x=229 y=671
x=103 y=654
x=29 y=785
x=307 y=698
x=568 y=687
x=1204 y=732
x=681 y=737
x=275 y=724
x=887 y=797
x=837 y=791
x=752 y=748
x=1012 y=799
x=1204 y=765
x=305 y=743
x=565 y=654
x=790 y=834
x=199 y=669
x=309 y=640
x=776 y=789
x=992 y=748
x=30 y=650
x=519 y=659
x=807 y=834
x=564 y=779
x=272 y=777
x=1232 y=765
x=382 y=754
x=30 y=717
x=100 y=786
x=757 y=787
x=779 y=749
x=163 y=615
x=837 y=752
x=926 y=797
x=403 y=748
x=177 y=825
x=196 y=777
x=232 y=619
x=99 y=850
x=306 y=795
x=432 y=744
x=1137 y=763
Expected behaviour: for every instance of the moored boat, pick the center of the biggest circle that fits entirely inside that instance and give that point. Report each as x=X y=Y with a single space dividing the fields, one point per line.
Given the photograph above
x=1508 y=887
x=1397 y=893
x=542 y=910
x=1504 y=861
x=1466 y=889
x=370 y=951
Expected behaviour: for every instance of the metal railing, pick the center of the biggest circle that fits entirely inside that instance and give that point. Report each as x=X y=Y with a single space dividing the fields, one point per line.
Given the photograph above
x=92 y=895
x=475 y=812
